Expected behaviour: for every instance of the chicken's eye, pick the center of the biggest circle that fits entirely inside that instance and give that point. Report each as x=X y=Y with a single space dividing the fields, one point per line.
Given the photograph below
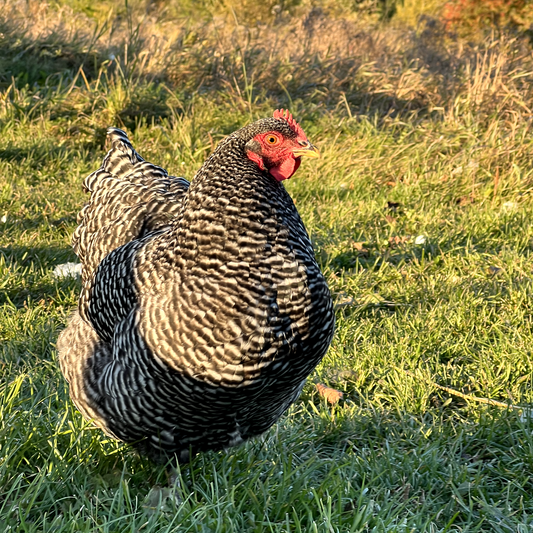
x=272 y=140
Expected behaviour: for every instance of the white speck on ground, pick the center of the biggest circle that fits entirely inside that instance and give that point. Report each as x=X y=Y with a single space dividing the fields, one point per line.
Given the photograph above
x=509 y=206
x=67 y=269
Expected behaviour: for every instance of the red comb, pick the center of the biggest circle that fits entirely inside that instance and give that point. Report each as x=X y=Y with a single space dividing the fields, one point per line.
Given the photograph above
x=286 y=115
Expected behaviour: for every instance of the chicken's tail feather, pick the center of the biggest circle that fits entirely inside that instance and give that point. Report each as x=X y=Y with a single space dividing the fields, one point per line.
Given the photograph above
x=129 y=199
x=118 y=162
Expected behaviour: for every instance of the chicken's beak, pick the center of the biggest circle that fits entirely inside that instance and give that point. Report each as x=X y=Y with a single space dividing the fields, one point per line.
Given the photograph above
x=307 y=150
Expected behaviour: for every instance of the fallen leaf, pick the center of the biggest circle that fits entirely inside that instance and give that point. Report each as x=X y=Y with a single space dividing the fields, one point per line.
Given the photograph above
x=465 y=200
x=332 y=396
x=397 y=240
x=360 y=247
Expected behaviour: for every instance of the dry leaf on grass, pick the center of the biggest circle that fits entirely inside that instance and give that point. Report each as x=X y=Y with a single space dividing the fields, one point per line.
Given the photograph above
x=359 y=247
x=465 y=200
x=397 y=240
x=332 y=396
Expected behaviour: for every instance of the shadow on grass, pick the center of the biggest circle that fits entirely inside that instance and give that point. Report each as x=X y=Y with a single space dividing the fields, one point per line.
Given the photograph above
x=31 y=61
x=41 y=291
x=39 y=256
x=36 y=153
x=26 y=279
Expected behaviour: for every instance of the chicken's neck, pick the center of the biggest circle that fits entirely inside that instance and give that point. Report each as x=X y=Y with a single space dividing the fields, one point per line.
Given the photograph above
x=230 y=191
x=232 y=212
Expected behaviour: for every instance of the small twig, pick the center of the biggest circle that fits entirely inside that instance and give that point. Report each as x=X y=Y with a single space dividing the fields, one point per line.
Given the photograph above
x=470 y=397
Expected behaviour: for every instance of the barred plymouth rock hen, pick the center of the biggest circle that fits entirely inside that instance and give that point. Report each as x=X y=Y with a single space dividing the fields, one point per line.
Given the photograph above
x=203 y=309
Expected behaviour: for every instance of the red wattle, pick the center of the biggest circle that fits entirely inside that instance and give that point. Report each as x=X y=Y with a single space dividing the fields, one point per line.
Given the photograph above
x=286 y=169
x=256 y=159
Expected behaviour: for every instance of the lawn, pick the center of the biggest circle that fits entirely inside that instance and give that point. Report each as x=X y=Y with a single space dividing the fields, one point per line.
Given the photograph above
x=420 y=212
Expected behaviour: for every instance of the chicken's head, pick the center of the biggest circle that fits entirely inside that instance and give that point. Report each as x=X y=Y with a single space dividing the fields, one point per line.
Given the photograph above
x=280 y=148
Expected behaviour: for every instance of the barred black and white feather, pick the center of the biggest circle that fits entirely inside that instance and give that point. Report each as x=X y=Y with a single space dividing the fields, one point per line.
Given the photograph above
x=202 y=310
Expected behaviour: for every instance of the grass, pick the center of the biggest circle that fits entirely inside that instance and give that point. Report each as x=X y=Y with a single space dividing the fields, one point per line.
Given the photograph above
x=420 y=213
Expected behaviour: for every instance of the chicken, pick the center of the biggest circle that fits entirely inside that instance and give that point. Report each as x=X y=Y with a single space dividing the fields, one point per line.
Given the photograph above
x=202 y=310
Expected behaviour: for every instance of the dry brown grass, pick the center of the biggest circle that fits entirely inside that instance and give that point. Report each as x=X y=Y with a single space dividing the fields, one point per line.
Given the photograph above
x=138 y=64
x=316 y=59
